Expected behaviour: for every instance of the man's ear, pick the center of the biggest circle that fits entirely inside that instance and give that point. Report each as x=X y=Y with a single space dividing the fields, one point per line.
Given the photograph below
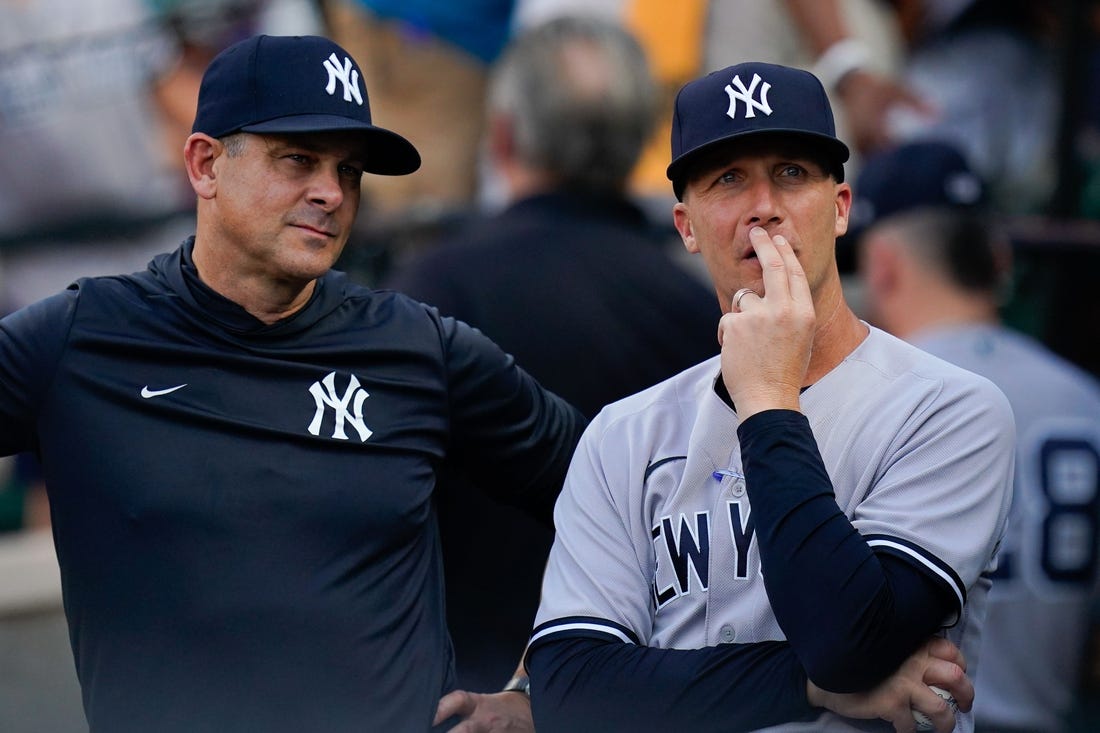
x=843 y=208
x=682 y=221
x=199 y=153
x=879 y=263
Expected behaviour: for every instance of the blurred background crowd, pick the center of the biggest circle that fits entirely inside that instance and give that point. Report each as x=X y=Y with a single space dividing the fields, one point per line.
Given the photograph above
x=542 y=193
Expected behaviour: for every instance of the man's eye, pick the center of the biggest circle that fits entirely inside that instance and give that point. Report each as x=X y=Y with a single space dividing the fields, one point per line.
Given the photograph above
x=793 y=171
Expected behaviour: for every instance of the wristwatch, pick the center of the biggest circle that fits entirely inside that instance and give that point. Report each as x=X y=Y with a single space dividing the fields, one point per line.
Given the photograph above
x=519 y=683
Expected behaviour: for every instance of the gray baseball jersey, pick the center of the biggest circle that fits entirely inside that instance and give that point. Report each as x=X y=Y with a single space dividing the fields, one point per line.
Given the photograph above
x=1047 y=577
x=653 y=530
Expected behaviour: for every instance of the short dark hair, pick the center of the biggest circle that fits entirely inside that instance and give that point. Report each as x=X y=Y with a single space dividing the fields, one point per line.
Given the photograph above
x=966 y=246
x=970 y=253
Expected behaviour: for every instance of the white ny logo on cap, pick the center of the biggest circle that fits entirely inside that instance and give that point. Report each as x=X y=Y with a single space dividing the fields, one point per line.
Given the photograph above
x=347 y=75
x=746 y=96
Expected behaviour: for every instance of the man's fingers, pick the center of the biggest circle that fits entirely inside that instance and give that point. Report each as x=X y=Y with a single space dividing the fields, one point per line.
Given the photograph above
x=939 y=710
x=771 y=263
x=782 y=272
x=946 y=668
x=797 y=285
x=950 y=677
x=459 y=702
x=941 y=648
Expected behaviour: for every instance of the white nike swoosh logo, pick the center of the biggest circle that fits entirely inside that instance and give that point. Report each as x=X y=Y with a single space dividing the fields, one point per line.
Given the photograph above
x=147 y=393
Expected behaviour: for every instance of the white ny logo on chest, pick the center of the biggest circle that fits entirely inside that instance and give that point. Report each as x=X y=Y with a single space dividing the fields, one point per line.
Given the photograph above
x=324 y=393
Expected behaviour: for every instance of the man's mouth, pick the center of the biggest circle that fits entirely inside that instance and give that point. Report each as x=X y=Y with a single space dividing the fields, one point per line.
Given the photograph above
x=316 y=230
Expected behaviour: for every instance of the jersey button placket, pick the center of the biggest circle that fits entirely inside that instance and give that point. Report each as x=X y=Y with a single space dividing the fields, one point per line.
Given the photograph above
x=737 y=486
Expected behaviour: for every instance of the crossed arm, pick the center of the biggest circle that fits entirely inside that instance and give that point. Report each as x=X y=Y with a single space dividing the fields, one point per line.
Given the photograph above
x=938 y=662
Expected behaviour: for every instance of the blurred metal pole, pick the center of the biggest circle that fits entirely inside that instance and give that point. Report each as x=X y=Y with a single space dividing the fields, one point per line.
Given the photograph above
x=1075 y=40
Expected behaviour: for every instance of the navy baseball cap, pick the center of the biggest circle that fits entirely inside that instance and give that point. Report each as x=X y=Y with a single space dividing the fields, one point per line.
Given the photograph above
x=751 y=99
x=911 y=175
x=289 y=84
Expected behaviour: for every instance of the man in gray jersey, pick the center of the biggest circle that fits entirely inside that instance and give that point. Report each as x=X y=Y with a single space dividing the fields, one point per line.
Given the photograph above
x=933 y=267
x=819 y=485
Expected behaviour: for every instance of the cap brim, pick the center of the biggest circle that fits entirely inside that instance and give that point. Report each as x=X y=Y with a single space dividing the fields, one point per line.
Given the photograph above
x=834 y=148
x=388 y=154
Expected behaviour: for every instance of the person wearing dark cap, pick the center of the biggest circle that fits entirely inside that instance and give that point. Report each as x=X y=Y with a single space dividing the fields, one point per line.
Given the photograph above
x=935 y=264
x=240 y=446
x=920 y=173
x=816 y=503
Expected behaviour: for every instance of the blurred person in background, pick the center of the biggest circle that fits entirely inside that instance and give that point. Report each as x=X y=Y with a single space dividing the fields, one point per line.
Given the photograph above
x=979 y=73
x=989 y=70
x=934 y=264
x=570 y=278
x=75 y=77
x=426 y=63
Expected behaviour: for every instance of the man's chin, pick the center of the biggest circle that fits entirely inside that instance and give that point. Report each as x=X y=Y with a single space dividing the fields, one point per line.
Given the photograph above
x=312 y=263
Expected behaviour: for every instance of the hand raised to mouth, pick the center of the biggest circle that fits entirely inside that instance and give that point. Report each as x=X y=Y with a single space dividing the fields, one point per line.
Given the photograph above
x=767 y=338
